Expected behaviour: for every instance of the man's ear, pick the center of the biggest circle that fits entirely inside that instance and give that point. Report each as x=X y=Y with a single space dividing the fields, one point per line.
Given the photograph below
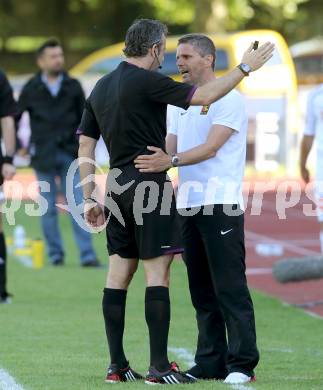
x=39 y=61
x=209 y=59
x=151 y=50
x=155 y=49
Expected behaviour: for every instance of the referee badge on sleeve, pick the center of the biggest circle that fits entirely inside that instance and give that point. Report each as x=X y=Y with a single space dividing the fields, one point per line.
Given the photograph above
x=205 y=110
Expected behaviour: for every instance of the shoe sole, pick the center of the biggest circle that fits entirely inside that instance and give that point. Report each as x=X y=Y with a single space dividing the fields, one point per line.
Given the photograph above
x=251 y=380
x=111 y=381
x=155 y=383
x=191 y=376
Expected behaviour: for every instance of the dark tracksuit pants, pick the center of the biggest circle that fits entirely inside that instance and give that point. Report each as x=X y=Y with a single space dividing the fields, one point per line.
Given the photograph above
x=215 y=259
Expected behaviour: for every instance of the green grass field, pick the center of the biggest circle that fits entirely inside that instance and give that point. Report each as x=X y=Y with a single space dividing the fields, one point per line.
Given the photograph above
x=52 y=336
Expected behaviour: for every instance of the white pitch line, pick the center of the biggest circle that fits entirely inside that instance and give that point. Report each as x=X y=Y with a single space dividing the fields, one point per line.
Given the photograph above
x=307 y=312
x=286 y=244
x=259 y=271
x=280 y=350
x=314 y=315
x=312 y=241
x=7 y=382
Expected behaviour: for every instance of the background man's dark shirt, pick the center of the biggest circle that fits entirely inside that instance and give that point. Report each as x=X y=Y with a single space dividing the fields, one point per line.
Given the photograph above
x=7 y=103
x=53 y=119
x=128 y=108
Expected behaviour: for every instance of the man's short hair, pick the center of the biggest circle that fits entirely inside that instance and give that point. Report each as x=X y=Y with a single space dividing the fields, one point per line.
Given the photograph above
x=50 y=43
x=142 y=35
x=203 y=45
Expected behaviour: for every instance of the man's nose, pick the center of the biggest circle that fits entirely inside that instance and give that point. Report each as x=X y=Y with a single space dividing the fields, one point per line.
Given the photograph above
x=179 y=62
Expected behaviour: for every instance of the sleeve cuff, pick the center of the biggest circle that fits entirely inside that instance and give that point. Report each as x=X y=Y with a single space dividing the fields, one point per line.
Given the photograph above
x=232 y=126
x=172 y=131
x=11 y=114
x=309 y=132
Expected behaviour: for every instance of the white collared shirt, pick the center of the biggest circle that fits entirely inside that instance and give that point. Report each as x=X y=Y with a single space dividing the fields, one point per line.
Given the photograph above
x=217 y=180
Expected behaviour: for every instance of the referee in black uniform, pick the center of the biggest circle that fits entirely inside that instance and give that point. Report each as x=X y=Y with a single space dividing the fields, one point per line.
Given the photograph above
x=7 y=111
x=128 y=108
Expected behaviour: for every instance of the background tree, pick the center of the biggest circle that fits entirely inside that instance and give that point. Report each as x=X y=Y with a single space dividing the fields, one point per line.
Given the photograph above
x=85 y=25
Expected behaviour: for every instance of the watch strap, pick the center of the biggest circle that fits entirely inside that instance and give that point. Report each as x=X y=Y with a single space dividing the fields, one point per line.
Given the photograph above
x=241 y=67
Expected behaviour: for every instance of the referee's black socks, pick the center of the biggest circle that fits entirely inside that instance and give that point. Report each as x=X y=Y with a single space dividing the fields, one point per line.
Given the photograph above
x=114 y=306
x=157 y=312
x=3 y=271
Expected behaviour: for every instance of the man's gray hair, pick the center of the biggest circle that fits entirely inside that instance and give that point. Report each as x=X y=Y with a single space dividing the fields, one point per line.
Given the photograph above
x=142 y=35
x=203 y=45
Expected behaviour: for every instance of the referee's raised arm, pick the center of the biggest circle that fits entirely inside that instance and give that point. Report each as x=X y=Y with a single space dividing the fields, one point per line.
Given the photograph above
x=215 y=89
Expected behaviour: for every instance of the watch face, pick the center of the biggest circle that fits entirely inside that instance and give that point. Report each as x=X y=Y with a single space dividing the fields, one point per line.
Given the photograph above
x=246 y=68
x=175 y=160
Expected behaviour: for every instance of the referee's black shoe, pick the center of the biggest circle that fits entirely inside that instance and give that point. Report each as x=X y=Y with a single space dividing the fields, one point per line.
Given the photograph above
x=127 y=374
x=5 y=298
x=171 y=377
x=196 y=372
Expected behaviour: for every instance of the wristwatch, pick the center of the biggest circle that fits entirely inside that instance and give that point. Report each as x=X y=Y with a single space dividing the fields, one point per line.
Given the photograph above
x=245 y=68
x=175 y=160
x=7 y=160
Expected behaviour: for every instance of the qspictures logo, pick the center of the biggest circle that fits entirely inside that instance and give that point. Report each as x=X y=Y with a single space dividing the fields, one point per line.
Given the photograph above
x=148 y=195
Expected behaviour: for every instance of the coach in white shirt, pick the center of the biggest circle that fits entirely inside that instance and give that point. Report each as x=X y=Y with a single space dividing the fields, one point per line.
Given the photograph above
x=314 y=129
x=209 y=145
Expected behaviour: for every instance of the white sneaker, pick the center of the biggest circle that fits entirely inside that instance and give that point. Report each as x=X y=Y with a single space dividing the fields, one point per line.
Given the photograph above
x=237 y=378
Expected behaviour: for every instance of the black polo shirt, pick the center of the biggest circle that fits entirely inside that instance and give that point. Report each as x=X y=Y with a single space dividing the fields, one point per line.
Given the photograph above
x=7 y=102
x=128 y=108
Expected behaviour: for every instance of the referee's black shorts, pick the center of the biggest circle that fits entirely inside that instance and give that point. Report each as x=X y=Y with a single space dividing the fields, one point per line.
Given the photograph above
x=141 y=214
